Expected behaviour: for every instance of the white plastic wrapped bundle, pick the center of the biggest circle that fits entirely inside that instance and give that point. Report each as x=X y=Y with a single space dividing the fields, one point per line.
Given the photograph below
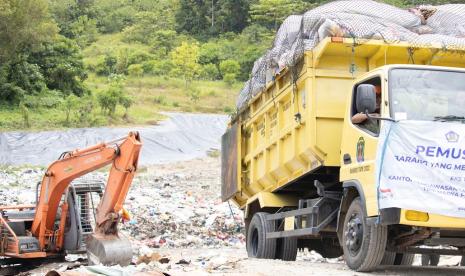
x=448 y=20
x=368 y=19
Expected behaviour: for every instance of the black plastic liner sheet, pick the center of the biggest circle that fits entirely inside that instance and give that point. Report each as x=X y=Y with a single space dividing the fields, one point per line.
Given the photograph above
x=181 y=137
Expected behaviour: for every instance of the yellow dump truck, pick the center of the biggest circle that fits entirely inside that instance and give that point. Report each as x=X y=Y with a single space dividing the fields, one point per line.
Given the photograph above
x=305 y=174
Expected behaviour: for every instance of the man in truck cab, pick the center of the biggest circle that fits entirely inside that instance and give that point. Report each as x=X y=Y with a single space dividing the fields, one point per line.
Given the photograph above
x=362 y=119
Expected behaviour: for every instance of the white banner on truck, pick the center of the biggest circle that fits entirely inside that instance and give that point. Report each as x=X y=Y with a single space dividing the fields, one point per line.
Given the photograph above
x=421 y=166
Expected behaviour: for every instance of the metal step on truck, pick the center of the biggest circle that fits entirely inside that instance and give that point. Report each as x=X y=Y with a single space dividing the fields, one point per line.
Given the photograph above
x=302 y=158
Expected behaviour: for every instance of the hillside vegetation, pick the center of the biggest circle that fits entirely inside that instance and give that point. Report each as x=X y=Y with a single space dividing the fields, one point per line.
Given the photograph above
x=69 y=63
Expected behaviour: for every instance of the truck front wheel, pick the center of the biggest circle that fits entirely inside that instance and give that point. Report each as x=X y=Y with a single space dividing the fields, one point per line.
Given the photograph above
x=363 y=245
x=258 y=246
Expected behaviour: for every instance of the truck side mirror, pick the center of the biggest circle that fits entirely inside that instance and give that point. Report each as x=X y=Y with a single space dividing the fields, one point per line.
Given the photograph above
x=366 y=98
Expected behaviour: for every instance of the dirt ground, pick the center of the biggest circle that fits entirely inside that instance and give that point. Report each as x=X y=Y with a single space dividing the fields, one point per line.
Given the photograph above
x=180 y=223
x=235 y=262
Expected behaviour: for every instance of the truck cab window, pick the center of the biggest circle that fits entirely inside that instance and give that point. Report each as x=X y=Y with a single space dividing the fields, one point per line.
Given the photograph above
x=361 y=120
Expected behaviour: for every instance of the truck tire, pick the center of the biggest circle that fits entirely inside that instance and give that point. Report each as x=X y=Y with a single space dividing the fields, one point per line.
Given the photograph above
x=389 y=258
x=393 y=258
x=430 y=259
x=286 y=249
x=404 y=259
x=258 y=246
x=363 y=245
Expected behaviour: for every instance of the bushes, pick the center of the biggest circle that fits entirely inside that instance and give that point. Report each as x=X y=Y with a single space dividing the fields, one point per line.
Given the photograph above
x=209 y=72
x=113 y=96
x=61 y=66
x=136 y=70
x=229 y=67
x=17 y=80
x=46 y=99
x=229 y=79
x=161 y=100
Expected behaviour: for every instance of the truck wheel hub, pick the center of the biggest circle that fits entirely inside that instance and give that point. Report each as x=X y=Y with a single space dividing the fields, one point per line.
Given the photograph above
x=354 y=234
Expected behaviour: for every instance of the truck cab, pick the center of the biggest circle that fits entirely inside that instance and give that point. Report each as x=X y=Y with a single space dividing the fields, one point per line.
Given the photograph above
x=407 y=92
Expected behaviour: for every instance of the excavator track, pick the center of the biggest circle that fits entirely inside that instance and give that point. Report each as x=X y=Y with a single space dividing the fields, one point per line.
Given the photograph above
x=14 y=266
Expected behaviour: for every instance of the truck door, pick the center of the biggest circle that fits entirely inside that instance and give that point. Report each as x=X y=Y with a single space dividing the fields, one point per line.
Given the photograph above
x=360 y=140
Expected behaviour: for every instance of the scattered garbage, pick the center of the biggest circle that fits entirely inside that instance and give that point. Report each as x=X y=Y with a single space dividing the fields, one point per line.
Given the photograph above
x=171 y=206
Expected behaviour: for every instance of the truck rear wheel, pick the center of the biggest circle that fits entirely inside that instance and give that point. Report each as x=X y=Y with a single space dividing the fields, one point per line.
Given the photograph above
x=404 y=259
x=393 y=258
x=389 y=258
x=286 y=249
x=363 y=245
x=258 y=246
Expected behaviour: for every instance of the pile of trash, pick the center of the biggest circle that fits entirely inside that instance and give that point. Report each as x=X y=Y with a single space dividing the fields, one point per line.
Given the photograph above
x=18 y=184
x=362 y=19
x=182 y=209
x=172 y=205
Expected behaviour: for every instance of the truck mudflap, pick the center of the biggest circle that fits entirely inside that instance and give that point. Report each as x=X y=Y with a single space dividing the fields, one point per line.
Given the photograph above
x=311 y=217
x=229 y=163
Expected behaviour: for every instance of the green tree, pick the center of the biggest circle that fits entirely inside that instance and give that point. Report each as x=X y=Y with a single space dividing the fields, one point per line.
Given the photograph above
x=61 y=65
x=192 y=17
x=185 y=59
x=114 y=15
x=24 y=25
x=69 y=104
x=113 y=96
x=84 y=30
x=230 y=67
x=232 y=15
x=229 y=78
x=209 y=72
x=271 y=13
x=207 y=18
x=25 y=115
x=163 y=41
x=136 y=71
x=85 y=107
x=20 y=79
x=126 y=102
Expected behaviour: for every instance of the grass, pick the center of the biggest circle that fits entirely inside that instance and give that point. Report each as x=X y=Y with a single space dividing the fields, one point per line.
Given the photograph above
x=153 y=95
x=150 y=94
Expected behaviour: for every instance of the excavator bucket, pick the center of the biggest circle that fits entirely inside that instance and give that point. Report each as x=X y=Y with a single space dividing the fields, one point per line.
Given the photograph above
x=108 y=250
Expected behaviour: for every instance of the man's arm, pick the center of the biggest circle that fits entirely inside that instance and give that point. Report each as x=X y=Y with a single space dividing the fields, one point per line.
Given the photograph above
x=359 y=118
x=362 y=117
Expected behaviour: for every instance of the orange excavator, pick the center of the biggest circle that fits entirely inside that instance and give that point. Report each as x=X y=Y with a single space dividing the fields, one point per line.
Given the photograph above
x=60 y=220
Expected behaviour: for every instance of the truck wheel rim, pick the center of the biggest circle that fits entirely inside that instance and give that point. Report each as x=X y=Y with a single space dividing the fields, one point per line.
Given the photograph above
x=354 y=234
x=255 y=242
